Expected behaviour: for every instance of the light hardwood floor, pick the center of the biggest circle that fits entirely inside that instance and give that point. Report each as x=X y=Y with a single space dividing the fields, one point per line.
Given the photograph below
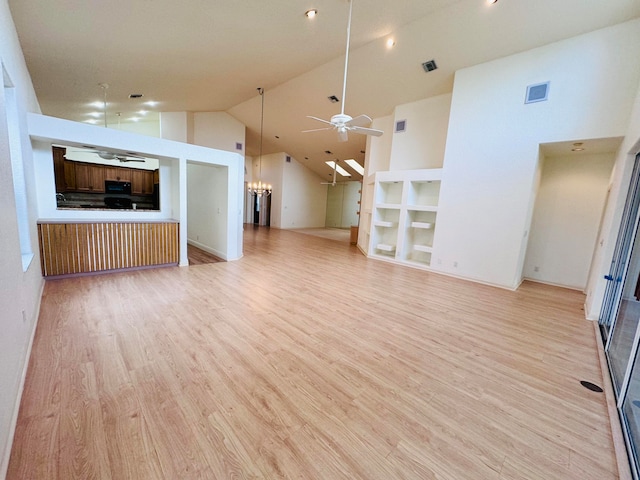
x=306 y=360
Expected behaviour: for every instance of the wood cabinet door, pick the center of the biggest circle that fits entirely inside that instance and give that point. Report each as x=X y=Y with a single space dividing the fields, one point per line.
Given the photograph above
x=141 y=182
x=83 y=179
x=117 y=174
x=89 y=178
x=58 y=168
x=147 y=187
x=111 y=173
x=124 y=174
x=97 y=178
x=69 y=176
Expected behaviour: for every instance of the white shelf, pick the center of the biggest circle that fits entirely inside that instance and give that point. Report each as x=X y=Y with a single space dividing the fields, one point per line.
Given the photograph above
x=404 y=216
x=383 y=247
x=380 y=223
x=422 y=208
x=425 y=225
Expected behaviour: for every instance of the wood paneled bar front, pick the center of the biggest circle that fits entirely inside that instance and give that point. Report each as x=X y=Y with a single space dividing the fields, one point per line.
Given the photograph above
x=68 y=248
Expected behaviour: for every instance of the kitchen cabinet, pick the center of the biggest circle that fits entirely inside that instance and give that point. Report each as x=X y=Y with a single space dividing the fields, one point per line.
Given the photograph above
x=119 y=174
x=141 y=182
x=69 y=176
x=64 y=171
x=89 y=178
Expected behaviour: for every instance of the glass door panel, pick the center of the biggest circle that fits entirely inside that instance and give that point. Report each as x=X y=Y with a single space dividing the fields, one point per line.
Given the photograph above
x=630 y=414
x=626 y=233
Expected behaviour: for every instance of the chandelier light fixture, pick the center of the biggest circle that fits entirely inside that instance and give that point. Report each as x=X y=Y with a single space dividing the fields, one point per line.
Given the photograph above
x=258 y=188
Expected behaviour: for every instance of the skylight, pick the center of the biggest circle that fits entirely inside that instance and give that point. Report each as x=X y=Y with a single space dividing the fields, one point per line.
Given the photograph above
x=338 y=168
x=355 y=165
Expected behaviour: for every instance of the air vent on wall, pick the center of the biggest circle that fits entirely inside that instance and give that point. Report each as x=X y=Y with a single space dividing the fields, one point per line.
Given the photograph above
x=401 y=126
x=238 y=146
x=429 y=66
x=537 y=93
x=288 y=159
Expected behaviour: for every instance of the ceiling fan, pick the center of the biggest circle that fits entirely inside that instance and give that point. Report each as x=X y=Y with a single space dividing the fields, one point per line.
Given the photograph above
x=343 y=123
x=123 y=158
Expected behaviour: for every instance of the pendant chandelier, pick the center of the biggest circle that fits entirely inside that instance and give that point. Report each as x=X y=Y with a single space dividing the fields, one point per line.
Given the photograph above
x=260 y=189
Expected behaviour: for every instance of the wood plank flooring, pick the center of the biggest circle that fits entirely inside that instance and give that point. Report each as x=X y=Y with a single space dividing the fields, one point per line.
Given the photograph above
x=305 y=360
x=197 y=256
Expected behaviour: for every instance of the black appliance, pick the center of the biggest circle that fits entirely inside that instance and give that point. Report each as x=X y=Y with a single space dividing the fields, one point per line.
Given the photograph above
x=120 y=188
x=118 y=202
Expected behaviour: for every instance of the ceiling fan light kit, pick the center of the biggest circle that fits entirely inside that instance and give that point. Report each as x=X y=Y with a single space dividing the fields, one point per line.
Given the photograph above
x=343 y=123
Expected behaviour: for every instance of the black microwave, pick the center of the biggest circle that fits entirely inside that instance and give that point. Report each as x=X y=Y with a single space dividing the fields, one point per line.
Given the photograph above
x=113 y=187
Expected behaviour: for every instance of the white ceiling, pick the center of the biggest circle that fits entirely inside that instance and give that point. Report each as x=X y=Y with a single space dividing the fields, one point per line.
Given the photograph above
x=197 y=55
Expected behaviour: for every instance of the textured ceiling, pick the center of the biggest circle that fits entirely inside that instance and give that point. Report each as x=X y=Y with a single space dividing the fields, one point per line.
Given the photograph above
x=198 y=55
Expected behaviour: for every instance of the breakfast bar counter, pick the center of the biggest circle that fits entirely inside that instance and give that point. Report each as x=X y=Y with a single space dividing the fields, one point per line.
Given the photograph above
x=86 y=246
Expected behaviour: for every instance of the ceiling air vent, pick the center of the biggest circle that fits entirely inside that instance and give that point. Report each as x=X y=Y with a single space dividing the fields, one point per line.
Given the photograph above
x=429 y=66
x=537 y=93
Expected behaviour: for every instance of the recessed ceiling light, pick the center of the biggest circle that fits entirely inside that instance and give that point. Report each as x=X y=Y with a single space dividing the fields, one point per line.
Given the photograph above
x=390 y=42
x=143 y=112
x=136 y=95
x=311 y=13
x=333 y=99
x=151 y=103
x=97 y=104
x=491 y=2
x=577 y=149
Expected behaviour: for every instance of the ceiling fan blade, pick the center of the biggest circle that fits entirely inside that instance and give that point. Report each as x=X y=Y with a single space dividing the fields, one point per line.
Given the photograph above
x=319 y=119
x=359 y=121
x=317 y=129
x=366 y=131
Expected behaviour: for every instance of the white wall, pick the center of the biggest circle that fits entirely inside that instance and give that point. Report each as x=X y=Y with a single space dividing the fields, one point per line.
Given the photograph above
x=218 y=130
x=343 y=205
x=492 y=144
x=422 y=144
x=19 y=290
x=207 y=199
x=567 y=215
x=378 y=151
x=177 y=126
x=304 y=198
x=613 y=213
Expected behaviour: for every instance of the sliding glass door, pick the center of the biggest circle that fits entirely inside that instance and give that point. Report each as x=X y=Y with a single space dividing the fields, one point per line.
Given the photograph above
x=620 y=319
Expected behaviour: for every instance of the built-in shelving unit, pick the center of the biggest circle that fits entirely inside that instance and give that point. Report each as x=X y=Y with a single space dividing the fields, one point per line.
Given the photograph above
x=404 y=216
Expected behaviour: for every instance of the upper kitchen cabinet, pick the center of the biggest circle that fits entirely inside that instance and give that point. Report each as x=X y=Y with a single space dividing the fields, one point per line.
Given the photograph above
x=118 y=174
x=141 y=182
x=89 y=178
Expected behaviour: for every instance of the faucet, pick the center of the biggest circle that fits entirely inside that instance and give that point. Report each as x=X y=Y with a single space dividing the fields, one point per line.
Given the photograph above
x=60 y=196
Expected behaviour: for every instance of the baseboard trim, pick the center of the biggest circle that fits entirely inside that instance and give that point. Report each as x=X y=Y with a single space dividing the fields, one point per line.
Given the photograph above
x=207 y=249
x=4 y=466
x=619 y=446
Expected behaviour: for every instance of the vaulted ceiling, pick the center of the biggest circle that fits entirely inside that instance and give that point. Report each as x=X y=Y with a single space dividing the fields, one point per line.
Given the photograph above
x=201 y=56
